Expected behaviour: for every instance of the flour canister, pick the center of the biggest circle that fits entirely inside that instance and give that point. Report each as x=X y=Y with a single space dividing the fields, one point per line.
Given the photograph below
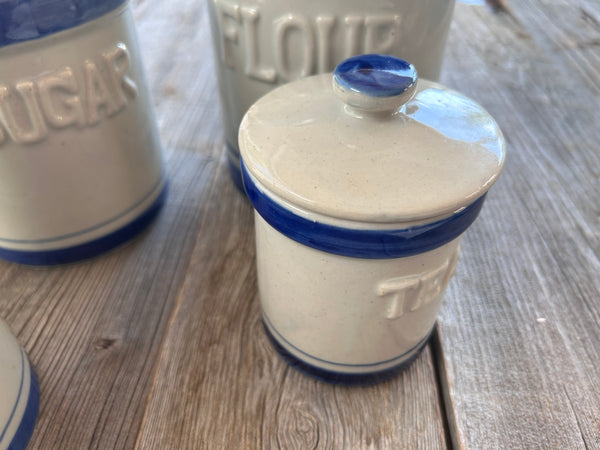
x=80 y=159
x=362 y=182
x=19 y=393
x=260 y=44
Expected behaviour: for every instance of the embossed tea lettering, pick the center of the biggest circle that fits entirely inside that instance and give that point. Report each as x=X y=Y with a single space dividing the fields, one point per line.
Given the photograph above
x=405 y=295
x=241 y=26
x=66 y=97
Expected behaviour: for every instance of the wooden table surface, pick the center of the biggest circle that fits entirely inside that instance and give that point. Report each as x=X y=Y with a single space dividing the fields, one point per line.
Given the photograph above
x=159 y=344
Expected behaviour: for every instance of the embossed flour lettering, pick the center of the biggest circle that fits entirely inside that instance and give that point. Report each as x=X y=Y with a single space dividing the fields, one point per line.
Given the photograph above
x=242 y=26
x=404 y=295
x=100 y=87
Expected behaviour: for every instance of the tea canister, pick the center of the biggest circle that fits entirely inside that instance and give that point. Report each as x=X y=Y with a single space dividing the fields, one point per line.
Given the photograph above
x=81 y=169
x=19 y=391
x=362 y=182
x=259 y=44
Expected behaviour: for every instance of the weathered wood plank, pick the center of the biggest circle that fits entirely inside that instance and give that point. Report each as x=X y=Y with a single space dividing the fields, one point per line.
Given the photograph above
x=518 y=328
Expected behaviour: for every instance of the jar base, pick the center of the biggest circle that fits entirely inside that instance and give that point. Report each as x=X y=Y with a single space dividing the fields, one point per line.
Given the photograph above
x=90 y=249
x=347 y=379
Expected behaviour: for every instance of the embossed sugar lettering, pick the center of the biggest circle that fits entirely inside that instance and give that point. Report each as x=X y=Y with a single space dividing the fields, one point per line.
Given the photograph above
x=240 y=27
x=404 y=295
x=100 y=87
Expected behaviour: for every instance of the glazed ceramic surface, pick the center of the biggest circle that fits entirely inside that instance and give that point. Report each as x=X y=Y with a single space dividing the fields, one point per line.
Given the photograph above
x=260 y=44
x=363 y=183
x=19 y=393
x=80 y=158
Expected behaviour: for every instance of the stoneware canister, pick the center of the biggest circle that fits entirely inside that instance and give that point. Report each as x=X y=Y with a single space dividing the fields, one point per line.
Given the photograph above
x=80 y=159
x=363 y=183
x=259 y=44
x=19 y=393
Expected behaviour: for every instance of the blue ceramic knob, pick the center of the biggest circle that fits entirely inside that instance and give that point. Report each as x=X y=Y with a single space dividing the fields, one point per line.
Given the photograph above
x=375 y=83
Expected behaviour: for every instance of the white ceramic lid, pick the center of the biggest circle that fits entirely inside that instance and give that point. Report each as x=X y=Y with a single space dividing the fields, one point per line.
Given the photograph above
x=371 y=143
x=19 y=393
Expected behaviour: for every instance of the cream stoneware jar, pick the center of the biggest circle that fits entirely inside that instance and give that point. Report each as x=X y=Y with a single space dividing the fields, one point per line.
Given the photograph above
x=19 y=393
x=260 y=44
x=81 y=169
x=363 y=183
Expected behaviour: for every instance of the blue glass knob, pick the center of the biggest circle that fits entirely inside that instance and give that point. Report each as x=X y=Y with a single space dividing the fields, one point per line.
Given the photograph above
x=375 y=83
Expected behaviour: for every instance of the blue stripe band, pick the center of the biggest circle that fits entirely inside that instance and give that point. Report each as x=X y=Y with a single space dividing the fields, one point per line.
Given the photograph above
x=25 y=430
x=88 y=249
x=345 y=378
x=367 y=244
x=366 y=366
x=376 y=75
x=25 y=20
x=17 y=401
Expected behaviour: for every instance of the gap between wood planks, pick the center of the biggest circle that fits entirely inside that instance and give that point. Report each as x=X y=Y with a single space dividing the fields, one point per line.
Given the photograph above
x=441 y=382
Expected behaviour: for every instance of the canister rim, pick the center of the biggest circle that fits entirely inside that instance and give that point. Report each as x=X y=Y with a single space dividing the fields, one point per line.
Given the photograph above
x=376 y=243
x=27 y=20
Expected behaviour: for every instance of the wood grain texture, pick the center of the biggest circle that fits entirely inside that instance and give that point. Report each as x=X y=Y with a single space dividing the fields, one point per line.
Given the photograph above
x=520 y=328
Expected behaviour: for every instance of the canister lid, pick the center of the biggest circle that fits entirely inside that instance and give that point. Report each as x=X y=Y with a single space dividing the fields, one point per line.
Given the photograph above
x=25 y=20
x=372 y=143
x=19 y=391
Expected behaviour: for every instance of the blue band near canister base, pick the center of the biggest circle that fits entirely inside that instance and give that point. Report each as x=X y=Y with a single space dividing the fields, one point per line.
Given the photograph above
x=25 y=20
x=92 y=248
x=367 y=244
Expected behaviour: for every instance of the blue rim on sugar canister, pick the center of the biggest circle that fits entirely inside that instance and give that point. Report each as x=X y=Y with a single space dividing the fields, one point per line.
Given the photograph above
x=81 y=168
x=363 y=182
x=19 y=391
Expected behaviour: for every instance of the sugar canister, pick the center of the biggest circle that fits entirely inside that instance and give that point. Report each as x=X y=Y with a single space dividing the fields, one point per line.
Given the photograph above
x=260 y=44
x=81 y=169
x=363 y=182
